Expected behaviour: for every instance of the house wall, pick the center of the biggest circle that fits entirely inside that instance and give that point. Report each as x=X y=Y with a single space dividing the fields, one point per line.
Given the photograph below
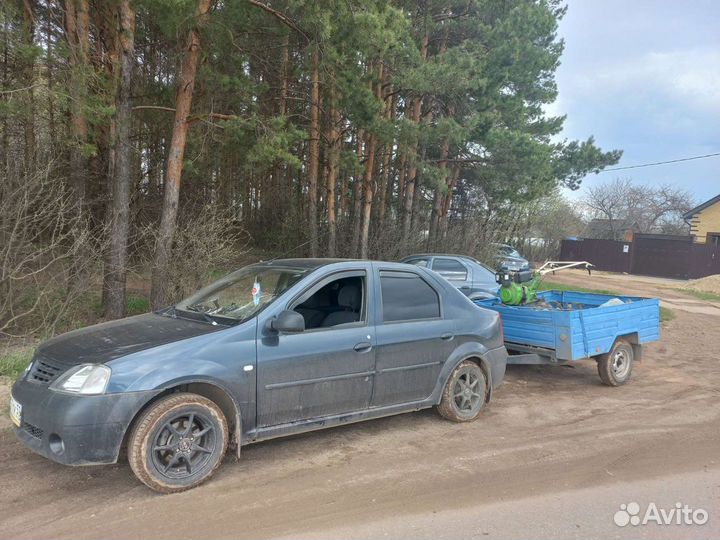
x=705 y=221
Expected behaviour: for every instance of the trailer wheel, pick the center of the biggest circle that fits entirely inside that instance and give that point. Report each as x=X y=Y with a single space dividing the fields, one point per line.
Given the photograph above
x=178 y=442
x=616 y=366
x=465 y=393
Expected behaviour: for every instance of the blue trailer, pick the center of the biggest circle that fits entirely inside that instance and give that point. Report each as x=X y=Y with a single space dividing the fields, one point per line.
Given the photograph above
x=567 y=326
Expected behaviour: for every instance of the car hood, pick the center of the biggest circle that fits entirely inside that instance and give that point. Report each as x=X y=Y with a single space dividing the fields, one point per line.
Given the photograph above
x=104 y=342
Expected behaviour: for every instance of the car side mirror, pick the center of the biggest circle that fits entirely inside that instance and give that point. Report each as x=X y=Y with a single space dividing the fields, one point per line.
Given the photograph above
x=288 y=322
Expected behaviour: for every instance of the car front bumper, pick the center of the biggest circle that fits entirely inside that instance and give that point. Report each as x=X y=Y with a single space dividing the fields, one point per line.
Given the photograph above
x=73 y=429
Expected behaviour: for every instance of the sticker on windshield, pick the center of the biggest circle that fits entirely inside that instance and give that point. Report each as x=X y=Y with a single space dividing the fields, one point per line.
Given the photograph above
x=256 y=293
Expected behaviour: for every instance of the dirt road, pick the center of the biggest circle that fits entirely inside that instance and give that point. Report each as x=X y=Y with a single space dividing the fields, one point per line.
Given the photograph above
x=554 y=456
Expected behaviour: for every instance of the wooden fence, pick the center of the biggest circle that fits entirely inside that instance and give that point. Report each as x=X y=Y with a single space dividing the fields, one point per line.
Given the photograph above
x=648 y=254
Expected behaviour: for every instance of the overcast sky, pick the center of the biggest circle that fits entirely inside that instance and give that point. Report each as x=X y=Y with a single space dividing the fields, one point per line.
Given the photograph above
x=644 y=76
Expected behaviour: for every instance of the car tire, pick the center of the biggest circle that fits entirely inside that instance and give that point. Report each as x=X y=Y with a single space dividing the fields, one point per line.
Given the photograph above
x=178 y=442
x=465 y=393
x=616 y=366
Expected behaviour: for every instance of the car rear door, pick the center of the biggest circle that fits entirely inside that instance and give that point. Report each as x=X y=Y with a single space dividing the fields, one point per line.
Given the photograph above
x=484 y=280
x=413 y=339
x=455 y=271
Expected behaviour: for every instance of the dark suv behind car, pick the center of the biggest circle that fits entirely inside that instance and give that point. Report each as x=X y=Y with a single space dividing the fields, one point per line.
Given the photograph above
x=509 y=258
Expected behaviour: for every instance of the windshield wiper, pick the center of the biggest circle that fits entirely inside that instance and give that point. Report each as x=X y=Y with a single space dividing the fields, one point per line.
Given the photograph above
x=205 y=316
x=170 y=311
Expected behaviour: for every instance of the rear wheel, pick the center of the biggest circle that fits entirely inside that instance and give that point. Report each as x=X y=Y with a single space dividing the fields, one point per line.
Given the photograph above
x=178 y=442
x=616 y=366
x=465 y=392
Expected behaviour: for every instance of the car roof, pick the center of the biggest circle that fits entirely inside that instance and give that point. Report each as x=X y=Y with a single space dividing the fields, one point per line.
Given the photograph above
x=314 y=263
x=466 y=257
x=303 y=263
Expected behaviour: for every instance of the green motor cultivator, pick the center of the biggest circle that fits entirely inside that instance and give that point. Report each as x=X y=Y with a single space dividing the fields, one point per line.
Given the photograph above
x=520 y=286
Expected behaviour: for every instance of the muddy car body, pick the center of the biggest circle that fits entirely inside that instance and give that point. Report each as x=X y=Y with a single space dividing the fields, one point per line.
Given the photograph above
x=273 y=349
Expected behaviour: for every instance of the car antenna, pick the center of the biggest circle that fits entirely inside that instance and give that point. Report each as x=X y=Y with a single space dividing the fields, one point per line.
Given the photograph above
x=282 y=255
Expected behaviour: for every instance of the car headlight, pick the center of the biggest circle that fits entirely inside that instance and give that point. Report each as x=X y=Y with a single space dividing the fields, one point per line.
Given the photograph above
x=84 y=379
x=27 y=369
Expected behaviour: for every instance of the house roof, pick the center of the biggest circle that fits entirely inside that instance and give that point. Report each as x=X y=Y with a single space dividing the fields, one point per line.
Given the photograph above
x=701 y=207
x=601 y=228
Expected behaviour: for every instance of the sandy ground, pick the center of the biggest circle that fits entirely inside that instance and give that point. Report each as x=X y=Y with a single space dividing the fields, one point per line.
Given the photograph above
x=555 y=455
x=709 y=284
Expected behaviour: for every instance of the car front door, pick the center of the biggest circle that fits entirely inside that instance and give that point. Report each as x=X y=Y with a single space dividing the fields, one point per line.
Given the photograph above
x=327 y=369
x=413 y=339
x=455 y=271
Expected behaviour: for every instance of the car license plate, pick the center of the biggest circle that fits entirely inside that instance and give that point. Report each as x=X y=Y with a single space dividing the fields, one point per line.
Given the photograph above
x=15 y=411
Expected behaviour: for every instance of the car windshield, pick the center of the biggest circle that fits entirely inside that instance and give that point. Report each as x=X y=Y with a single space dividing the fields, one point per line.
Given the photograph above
x=242 y=294
x=509 y=251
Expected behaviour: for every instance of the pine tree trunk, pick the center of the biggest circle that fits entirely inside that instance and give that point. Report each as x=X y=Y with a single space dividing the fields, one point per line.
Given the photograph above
x=411 y=177
x=116 y=270
x=314 y=150
x=357 y=199
x=77 y=26
x=402 y=171
x=49 y=76
x=7 y=186
x=29 y=80
x=385 y=187
x=367 y=188
x=438 y=197
x=278 y=198
x=447 y=202
x=369 y=171
x=410 y=181
x=332 y=169
x=183 y=103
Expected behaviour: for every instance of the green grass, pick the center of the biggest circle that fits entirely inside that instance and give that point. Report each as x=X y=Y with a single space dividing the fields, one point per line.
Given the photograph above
x=666 y=314
x=702 y=295
x=14 y=363
x=137 y=305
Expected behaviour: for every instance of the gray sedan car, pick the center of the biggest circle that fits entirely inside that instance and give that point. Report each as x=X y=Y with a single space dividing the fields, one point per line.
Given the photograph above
x=470 y=276
x=273 y=349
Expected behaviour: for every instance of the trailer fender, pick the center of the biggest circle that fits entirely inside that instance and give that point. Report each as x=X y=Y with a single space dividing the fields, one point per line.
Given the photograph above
x=634 y=342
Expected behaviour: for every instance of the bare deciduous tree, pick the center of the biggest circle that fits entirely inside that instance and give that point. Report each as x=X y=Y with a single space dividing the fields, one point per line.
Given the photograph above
x=43 y=244
x=654 y=209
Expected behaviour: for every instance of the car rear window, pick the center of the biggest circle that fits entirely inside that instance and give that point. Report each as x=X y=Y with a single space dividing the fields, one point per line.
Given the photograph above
x=407 y=297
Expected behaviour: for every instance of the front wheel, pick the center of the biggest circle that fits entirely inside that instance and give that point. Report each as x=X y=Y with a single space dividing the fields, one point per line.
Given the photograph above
x=465 y=393
x=178 y=442
x=616 y=366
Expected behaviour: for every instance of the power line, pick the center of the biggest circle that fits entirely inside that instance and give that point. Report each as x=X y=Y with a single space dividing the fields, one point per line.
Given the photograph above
x=661 y=162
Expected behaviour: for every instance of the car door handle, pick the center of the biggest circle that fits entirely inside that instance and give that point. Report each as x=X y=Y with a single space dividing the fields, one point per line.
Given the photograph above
x=447 y=337
x=465 y=287
x=363 y=346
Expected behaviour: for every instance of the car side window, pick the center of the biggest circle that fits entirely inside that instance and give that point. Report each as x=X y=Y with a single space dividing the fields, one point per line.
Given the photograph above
x=407 y=297
x=339 y=301
x=418 y=262
x=450 y=269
